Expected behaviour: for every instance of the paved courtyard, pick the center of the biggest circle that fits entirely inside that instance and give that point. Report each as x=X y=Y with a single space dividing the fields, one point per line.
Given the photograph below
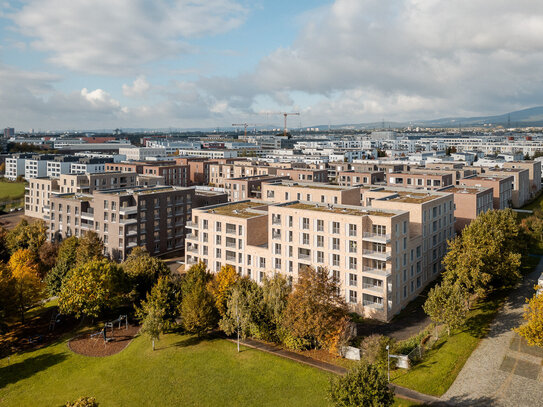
x=503 y=370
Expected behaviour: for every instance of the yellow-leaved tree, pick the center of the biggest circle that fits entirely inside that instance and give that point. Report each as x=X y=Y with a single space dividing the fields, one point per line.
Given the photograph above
x=27 y=284
x=220 y=286
x=532 y=330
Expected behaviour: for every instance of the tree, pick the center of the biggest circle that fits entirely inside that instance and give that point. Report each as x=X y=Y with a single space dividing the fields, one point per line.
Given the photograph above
x=315 y=309
x=363 y=386
x=447 y=304
x=220 y=286
x=164 y=295
x=47 y=254
x=152 y=322
x=90 y=248
x=374 y=349
x=91 y=288
x=27 y=236
x=275 y=296
x=7 y=298
x=532 y=330
x=244 y=310
x=488 y=253
x=198 y=312
x=28 y=287
x=64 y=264
x=143 y=271
x=4 y=249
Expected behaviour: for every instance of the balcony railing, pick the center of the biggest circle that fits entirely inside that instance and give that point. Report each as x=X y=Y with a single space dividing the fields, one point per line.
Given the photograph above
x=373 y=254
x=192 y=236
x=304 y=256
x=192 y=225
x=373 y=287
x=128 y=210
x=376 y=272
x=231 y=244
x=371 y=304
x=87 y=215
x=192 y=249
x=376 y=237
x=128 y=221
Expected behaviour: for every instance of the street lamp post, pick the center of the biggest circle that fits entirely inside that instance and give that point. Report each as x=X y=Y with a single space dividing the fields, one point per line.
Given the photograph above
x=388 y=363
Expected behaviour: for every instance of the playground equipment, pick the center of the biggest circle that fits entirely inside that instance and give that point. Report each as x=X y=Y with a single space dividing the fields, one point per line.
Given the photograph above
x=110 y=325
x=55 y=319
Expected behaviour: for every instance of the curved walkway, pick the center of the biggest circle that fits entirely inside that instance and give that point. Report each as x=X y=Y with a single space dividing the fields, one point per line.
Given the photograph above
x=503 y=370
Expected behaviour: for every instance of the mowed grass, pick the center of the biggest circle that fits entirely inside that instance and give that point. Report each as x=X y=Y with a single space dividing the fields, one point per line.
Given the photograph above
x=182 y=371
x=11 y=190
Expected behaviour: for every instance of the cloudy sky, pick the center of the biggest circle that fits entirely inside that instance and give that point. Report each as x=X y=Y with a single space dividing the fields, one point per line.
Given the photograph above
x=91 y=64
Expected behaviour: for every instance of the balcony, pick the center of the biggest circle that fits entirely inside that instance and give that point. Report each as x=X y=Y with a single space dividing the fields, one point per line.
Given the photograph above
x=303 y=256
x=374 y=288
x=132 y=243
x=374 y=305
x=130 y=221
x=276 y=235
x=87 y=215
x=128 y=210
x=377 y=238
x=191 y=261
x=276 y=221
x=231 y=244
x=231 y=231
x=376 y=272
x=192 y=225
x=192 y=237
x=131 y=232
x=372 y=254
x=192 y=249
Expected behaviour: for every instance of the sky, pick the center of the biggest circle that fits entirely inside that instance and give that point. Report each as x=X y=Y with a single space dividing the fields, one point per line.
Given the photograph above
x=104 y=64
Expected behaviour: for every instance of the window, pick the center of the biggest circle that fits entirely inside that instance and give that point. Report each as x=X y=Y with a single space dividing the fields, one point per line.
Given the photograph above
x=352 y=263
x=305 y=238
x=262 y=262
x=335 y=260
x=277 y=248
x=352 y=230
x=218 y=239
x=320 y=225
x=353 y=280
x=320 y=241
x=277 y=263
x=218 y=226
x=352 y=246
x=335 y=243
x=335 y=227
x=336 y=275
x=305 y=223
x=352 y=297
x=320 y=257
x=290 y=221
x=218 y=253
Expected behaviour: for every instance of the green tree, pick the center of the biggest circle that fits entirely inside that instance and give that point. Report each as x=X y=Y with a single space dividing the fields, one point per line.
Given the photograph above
x=374 y=350
x=532 y=330
x=220 y=286
x=91 y=288
x=65 y=262
x=7 y=298
x=315 y=308
x=152 y=322
x=27 y=236
x=143 y=271
x=4 y=249
x=164 y=295
x=447 y=304
x=488 y=253
x=27 y=283
x=90 y=248
x=198 y=312
x=245 y=310
x=363 y=386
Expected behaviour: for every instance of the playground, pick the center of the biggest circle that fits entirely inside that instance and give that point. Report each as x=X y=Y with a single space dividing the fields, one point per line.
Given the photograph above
x=112 y=338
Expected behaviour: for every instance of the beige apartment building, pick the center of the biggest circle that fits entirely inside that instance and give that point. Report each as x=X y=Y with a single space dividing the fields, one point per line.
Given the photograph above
x=383 y=255
x=37 y=196
x=248 y=187
x=287 y=191
x=521 y=187
x=423 y=180
x=304 y=174
x=469 y=202
x=150 y=217
x=534 y=173
x=220 y=173
x=457 y=171
x=502 y=188
x=353 y=178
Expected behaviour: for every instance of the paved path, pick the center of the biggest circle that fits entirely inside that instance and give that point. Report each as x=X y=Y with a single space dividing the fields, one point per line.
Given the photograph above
x=278 y=351
x=503 y=370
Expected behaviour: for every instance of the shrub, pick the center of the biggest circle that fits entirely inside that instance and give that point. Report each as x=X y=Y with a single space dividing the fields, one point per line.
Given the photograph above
x=374 y=350
x=83 y=402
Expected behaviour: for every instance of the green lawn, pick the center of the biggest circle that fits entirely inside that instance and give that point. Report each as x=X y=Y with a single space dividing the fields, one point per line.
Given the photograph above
x=11 y=190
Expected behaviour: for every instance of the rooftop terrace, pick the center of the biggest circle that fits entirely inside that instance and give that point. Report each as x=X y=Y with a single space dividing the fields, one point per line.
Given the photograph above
x=340 y=209
x=239 y=210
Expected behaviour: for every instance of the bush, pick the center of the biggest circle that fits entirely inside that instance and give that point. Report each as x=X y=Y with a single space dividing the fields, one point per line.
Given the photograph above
x=83 y=402
x=374 y=350
x=364 y=385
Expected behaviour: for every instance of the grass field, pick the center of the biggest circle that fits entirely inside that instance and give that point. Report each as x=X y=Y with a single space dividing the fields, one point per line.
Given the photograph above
x=182 y=371
x=11 y=190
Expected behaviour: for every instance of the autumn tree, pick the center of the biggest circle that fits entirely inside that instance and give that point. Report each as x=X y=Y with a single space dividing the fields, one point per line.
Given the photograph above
x=27 y=236
x=488 y=253
x=532 y=330
x=374 y=350
x=152 y=321
x=220 y=285
x=4 y=249
x=364 y=385
x=315 y=308
x=198 y=312
x=66 y=260
x=143 y=271
x=165 y=294
x=28 y=287
x=47 y=255
x=7 y=297
x=447 y=304
x=89 y=248
x=91 y=288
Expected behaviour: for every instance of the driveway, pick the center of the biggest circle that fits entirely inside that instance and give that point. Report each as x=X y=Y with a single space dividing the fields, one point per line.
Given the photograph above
x=503 y=370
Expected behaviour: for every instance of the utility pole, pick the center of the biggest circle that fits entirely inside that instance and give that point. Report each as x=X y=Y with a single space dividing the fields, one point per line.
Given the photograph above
x=237 y=321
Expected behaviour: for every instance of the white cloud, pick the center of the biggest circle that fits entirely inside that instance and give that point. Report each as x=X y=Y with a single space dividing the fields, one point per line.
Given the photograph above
x=115 y=37
x=139 y=88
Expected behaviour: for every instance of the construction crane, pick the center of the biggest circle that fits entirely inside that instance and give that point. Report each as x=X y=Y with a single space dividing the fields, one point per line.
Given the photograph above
x=285 y=114
x=244 y=127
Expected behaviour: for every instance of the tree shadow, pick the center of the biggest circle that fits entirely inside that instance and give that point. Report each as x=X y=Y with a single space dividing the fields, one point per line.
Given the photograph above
x=467 y=400
x=193 y=341
x=22 y=370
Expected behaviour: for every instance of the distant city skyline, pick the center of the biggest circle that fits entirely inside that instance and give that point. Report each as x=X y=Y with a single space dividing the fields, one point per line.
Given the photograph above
x=184 y=64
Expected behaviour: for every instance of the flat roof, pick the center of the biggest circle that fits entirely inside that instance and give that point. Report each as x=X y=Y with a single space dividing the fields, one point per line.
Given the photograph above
x=316 y=185
x=238 y=209
x=467 y=190
x=341 y=209
x=486 y=178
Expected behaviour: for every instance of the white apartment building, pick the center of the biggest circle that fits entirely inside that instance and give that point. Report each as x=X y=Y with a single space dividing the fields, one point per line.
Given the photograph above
x=142 y=153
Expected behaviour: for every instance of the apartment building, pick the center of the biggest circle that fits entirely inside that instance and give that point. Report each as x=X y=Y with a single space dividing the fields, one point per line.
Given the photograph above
x=502 y=188
x=220 y=173
x=378 y=165
x=60 y=165
x=304 y=174
x=150 y=217
x=287 y=191
x=15 y=166
x=198 y=169
x=521 y=188
x=534 y=173
x=89 y=165
x=383 y=255
x=424 y=180
x=458 y=171
x=247 y=187
x=469 y=202
x=142 y=153
x=37 y=196
x=173 y=174
x=36 y=166
x=352 y=178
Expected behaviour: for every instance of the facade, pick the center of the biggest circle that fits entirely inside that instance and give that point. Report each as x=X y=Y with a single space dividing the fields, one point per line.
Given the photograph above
x=247 y=187
x=352 y=178
x=383 y=255
x=124 y=218
x=502 y=187
x=142 y=153
x=469 y=202
x=534 y=173
x=15 y=166
x=287 y=191
x=521 y=187
x=38 y=195
x=426 y=180
x=304 y=174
